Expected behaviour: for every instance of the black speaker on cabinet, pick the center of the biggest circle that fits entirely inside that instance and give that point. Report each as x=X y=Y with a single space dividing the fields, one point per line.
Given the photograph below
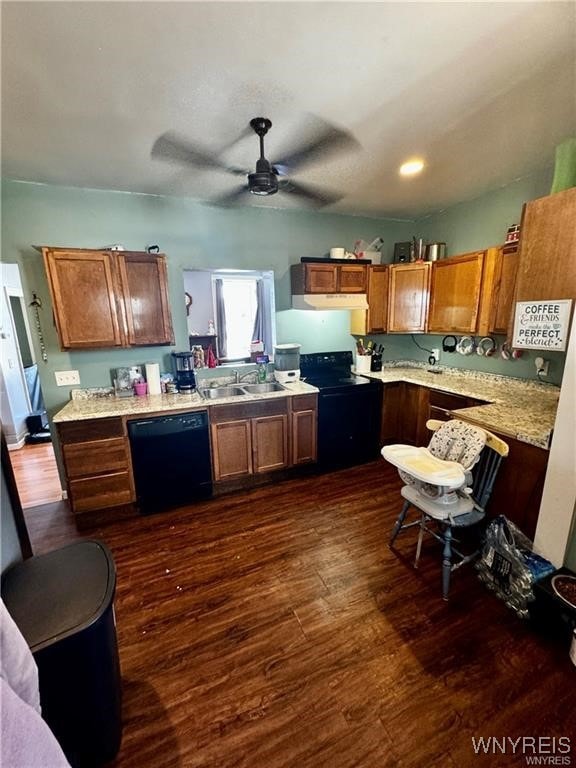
x=402 y=252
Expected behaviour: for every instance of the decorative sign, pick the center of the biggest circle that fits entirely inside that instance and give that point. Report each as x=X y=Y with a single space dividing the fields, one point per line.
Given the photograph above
x=542 y=324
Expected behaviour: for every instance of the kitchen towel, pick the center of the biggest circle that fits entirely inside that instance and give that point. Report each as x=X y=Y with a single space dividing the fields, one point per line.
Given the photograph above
x=153 y=378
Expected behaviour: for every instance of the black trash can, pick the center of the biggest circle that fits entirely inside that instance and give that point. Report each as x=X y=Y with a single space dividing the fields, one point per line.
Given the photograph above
x=62 y=603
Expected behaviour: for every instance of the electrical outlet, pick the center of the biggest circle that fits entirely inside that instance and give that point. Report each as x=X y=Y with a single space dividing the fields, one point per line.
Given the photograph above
x=541 y=366
x=67 y=378
x=436 y=355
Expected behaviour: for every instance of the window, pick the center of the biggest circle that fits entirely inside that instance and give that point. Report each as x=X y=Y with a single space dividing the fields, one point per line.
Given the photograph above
x=230 y=309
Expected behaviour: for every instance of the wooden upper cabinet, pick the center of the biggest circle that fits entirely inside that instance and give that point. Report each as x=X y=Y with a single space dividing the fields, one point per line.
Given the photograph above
x=408 y=297
x=375 y=318
x=504 y=283
x=320 y=278
x=352 y=278
x=328 y=278
x=84 y=288
x=455 y=293
x=547 y=264
x=145 y=292
x=108 y=298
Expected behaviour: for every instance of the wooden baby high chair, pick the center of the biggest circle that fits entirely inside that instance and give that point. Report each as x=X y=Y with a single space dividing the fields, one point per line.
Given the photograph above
x=449 y=482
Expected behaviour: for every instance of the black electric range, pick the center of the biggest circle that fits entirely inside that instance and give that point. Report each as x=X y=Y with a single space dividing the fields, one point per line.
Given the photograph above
x=349 y=410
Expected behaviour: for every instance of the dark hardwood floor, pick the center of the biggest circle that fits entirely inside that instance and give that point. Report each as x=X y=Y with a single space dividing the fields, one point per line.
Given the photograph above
x=275 y=629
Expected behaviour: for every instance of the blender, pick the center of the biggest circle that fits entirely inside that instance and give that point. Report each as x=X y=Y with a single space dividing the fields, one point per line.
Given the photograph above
x=185 y=378
x=287 y=363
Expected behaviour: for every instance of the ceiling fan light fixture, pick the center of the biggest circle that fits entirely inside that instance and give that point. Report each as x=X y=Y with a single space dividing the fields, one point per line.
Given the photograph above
x=262 y=183
x=411 y=167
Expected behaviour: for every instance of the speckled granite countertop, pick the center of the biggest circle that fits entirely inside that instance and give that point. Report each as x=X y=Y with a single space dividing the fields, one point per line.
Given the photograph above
x=102 y=407
x=521 y=409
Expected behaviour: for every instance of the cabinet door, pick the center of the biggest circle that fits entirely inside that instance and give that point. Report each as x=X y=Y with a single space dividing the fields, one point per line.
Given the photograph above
x=270 y=443
x=84 y=290
x=374 y=319
x=145 y=292
x=546 y=266
x=505 y=278
x=304 y=437
x=392 y=413
x=377 y=299
x=415 y=414
x=232 y=449
x=321 y=278
x=455 y=294
x=408 y=297
x=352 y=278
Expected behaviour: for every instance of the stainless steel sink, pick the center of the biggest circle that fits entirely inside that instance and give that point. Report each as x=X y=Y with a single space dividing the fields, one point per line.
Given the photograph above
x=240 y=390
x=213 y=393
x=254 y=389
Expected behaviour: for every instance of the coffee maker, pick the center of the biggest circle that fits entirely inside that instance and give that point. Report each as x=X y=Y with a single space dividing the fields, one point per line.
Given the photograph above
x=185 y=378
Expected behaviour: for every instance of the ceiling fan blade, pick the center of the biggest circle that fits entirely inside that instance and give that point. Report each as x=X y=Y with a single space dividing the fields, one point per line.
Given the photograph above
x=231 y=198
x=327 y=140
x=314 y=195
x=174 y=148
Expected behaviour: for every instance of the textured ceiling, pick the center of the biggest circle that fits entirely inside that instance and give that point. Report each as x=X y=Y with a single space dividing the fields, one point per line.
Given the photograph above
x=483 y=91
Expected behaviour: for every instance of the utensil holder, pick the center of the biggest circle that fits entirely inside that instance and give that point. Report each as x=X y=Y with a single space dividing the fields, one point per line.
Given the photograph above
x=363 y=363
x=376 y=361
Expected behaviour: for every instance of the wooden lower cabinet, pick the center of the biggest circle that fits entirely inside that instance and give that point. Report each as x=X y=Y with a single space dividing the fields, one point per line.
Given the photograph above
x=270 y=443
x=249 y=438
x=232 y=449
x=304 y=429
x=518 y=490
x=404 y=414
x=260 y=437
x=97 y=462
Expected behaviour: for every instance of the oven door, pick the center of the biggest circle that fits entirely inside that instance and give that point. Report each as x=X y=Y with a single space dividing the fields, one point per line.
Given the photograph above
x=349 y=426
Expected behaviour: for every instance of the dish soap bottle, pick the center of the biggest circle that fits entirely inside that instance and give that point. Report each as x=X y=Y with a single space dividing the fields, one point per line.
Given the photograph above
x=262 y=368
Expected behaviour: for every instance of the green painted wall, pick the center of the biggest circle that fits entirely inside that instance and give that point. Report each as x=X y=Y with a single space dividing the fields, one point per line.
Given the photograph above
x=483 y=222
x=471 y=225
x=192 y=235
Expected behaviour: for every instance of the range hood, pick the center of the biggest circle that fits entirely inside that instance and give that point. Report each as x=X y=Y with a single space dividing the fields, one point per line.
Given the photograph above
x=329 y=301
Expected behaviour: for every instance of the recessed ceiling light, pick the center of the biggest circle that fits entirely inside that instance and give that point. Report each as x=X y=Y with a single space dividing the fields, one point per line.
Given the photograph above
x=411 y=167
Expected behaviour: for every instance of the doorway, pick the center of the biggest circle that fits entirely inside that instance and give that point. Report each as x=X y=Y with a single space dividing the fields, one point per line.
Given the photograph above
x=24 y=418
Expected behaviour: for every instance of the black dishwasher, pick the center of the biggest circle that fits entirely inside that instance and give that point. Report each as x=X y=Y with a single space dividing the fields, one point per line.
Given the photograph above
x=171 y=460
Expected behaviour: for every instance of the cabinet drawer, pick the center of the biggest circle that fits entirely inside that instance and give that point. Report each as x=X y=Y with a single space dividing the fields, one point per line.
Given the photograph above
x=90 y=429
x=448 y=400
x=100 y=492
x=305 y=402
x=96 y=457
x=248 y=410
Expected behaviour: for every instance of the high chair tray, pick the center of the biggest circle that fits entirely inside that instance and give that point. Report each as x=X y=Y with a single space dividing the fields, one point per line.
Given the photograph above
x=422 y=465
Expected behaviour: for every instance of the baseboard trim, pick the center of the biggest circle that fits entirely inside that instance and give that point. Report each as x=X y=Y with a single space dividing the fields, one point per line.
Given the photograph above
x=16 y=446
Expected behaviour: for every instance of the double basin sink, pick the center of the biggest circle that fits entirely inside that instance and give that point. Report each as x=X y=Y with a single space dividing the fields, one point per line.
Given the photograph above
x=240 y=390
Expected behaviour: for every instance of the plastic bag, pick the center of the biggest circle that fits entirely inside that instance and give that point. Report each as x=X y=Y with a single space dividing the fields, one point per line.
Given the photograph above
x=509 y=567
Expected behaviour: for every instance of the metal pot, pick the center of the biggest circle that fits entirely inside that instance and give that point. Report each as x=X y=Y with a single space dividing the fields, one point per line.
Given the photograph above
x=434 y=251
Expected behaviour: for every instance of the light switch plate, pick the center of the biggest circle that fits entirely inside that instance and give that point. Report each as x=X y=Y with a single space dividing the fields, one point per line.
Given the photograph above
x=67 y=378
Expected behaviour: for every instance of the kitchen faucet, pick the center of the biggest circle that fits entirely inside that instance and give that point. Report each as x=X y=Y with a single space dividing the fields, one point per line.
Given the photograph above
x=238 y=376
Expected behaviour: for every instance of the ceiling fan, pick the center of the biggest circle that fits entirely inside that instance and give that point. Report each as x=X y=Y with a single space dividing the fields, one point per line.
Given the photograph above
x=268 y=177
